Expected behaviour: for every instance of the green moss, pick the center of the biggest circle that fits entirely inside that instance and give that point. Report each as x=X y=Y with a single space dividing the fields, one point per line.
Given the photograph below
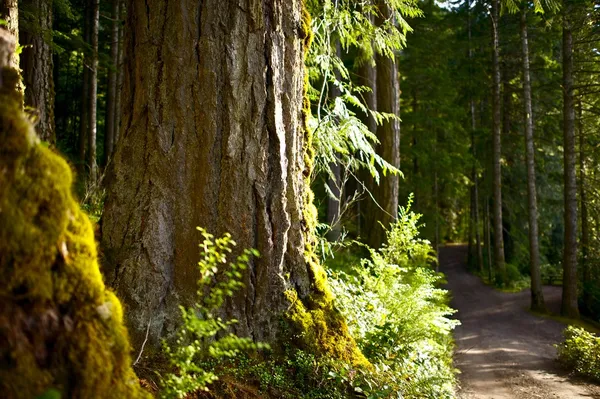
x=60 y=327
x=320 y=327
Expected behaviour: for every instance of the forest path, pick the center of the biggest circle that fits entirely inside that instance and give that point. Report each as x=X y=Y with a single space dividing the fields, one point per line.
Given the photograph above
x=504 y=351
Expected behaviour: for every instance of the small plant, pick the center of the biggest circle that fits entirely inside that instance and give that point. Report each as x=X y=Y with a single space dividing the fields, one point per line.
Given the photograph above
x=581 y=352
x=196 y=344
x=399 y=316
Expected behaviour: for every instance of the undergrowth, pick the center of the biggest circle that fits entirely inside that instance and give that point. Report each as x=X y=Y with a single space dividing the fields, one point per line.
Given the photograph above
x=581 y=352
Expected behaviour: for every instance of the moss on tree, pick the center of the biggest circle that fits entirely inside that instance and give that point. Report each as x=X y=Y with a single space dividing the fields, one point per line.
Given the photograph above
x=60 y=327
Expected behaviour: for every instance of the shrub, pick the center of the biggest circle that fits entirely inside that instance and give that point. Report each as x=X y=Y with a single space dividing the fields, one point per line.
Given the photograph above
x=581 y=352
x=399 y=316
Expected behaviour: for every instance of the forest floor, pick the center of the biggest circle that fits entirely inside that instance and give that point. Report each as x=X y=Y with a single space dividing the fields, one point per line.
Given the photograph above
x=503 y=350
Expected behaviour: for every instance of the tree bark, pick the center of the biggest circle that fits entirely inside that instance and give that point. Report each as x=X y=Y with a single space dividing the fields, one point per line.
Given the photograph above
x=37 y=65
x=120 y=70
x=537 y=294
x=93 y=93
x=84 y=116
x=111 y=95
x=585 y=230
x=388 y=133
x=497 y=150
x=9 y=12
x=213 y=136
x=569 y=294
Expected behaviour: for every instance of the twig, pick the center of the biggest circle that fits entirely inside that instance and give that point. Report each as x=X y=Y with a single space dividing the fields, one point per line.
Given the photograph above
x=143 y=343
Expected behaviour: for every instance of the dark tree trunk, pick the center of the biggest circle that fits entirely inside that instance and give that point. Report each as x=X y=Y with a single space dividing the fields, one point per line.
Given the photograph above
x=388 y=133
x=37 y=66
x=497 y=150
x=569 y=295
x=111 y=96
x=585 y=230
x=537 y=294
x=119 y=66
x=213 y=135
x=93 y=92
x=84 y=118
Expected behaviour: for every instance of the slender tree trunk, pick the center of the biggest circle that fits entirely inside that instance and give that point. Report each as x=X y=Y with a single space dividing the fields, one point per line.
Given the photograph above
x=569 y=295
x=488 y=238
x=37 y=66
x=368 y=77
x=119 y=66
x=335 y=180
x=84 y=118
x=93 y=94
x=213 y=136
x=111 y=97
x=388 y=133
x=585 y=230
x=537 y=294
x=470 y=255
x=497 y=150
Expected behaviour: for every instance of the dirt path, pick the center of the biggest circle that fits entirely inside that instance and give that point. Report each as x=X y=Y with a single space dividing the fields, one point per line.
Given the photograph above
x=503 y=351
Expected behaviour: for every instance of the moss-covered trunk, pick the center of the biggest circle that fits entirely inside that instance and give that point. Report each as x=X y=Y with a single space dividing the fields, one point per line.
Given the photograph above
x=213 y=135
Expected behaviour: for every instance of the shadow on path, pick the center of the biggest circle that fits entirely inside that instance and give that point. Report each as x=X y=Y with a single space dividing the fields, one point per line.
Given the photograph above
x=503 y=350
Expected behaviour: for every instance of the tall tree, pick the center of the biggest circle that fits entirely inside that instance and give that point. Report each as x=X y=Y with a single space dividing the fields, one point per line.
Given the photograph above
x=497 y=148
x=569 y=295
x=93 y=91
x=37 y=64
x=85 y=91
x=111 y=101
x=388 y=133
x=537 y=295
x=213 y=135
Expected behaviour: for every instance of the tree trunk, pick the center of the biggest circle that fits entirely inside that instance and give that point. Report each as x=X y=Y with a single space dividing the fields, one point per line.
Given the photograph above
x=335 y=180
x=9 y=12
x=119 y=66
x=93 y=93
x=488 y=239
x=585 y=230
x=497 y=151
x=388 y=133
x=37 y=66
x=569 y=295
x=213 y=136
x=84 y=118
x=111 y=96
x=537 y=294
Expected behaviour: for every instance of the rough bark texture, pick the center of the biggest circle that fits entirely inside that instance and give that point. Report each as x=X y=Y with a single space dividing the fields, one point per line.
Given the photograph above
x=119 y=66
x=111 y=95
x=569 y=297
x=537 y=295
x=37 y=65
x=497 y=150
x=9 y=12
x=213 y=136
x=93 y=93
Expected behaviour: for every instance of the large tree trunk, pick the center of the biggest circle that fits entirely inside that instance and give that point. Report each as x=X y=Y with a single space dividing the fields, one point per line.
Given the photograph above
x=537 y=295
x=37 y=66
x=388 y=133
x=111 y=96
x=213 y=136
x=93 y=93
x=497 y=150
x=569 y=295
